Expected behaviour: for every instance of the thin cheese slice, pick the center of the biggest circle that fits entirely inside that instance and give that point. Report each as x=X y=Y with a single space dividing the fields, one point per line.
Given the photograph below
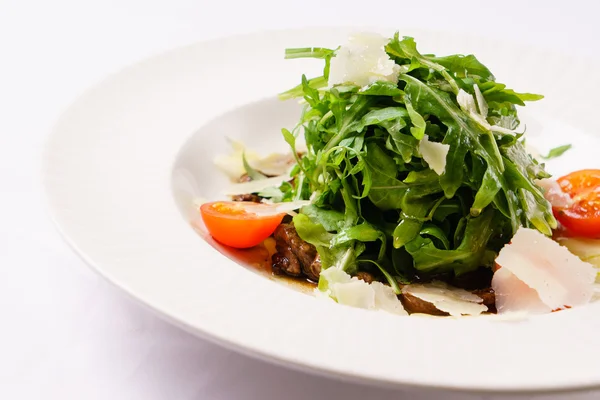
x=257 y=185
x=454 y=301
x=434 y=154
x=386 y=299
x=362 y=61
x=560 y=278
x=336 y=284
x=513 y=295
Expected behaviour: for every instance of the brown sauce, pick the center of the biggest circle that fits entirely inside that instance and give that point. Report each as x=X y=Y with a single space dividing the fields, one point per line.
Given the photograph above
x=257 y=259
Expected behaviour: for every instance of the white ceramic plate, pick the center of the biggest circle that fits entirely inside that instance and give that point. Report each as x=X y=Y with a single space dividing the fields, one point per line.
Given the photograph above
x=126 y=160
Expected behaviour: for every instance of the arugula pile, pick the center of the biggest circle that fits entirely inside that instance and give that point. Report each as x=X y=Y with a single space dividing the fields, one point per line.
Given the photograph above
x=376 y=201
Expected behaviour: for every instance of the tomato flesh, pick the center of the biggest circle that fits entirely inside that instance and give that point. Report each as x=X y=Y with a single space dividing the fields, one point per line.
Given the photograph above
x=239 y=224
x=582 y=217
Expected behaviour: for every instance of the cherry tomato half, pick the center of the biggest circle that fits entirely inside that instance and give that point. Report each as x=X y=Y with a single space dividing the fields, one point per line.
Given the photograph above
x=239 y=224
x=582 y=217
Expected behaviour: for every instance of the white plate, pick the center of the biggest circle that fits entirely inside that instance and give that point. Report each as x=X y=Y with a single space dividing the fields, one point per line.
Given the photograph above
x=125 y=161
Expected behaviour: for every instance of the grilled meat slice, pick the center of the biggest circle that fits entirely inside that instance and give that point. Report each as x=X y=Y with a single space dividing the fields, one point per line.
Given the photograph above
x=365 y=276
x=488 y=296
x=284 y=262
x=314 y=269
x=247 y=197
x=292 y=247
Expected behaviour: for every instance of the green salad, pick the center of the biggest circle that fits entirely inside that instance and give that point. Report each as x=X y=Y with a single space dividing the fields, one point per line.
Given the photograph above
x=414 y=165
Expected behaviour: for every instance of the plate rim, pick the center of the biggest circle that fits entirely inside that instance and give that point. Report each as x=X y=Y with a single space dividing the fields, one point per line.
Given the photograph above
x=295 y=364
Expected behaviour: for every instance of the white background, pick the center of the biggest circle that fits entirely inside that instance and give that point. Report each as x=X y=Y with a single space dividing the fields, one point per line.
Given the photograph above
x=64 y=332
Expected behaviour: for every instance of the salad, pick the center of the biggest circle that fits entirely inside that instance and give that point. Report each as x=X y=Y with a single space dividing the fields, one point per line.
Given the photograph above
x=409 y=188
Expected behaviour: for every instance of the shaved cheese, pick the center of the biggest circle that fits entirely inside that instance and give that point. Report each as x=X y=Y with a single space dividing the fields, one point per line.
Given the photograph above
x=323 y=295
x=481 y=103
x=336 y=284
x=500 y=129
x=273 y=164
x=280 y=208
x=257 y=185
x=554 y=194
x=434 y=154
x=513 y=295
x=386 y=299
x=468 y=105
x=466 y=102
x=560 y=278
x=333 y=275
x=232 y=164
x=446 y=298
x=362 y=61
x=356 y=293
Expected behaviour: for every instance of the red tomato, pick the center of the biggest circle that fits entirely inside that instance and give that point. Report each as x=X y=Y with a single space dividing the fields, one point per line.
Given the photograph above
x=236 y=224
x=582 y=217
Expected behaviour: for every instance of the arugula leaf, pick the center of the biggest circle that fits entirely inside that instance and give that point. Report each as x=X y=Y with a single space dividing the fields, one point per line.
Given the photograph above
x=379 y=116
x=312 y=232
x=338 y=250
x=331 y=220
x=418 y=128
x=407 y=49
x=494 y=92
x=381 y=88
x=463 y=135
x=436 y=232
x=462 y=66
x=364 y=232
x=468 y=256
x=407 y=230
x=308 y=52
x=557 y=151
x=370 y=187
x=386 y=191
x=314 y=83
x=390 y=279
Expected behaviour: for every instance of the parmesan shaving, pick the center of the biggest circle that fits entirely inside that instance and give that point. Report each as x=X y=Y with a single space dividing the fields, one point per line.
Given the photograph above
x=362 y=61
x=279 y=208
x=560 y=278
x=481 y=103
x=257 y=185
x=500 y=129
x=434 y=154
x=233 y=166
x=513 y=295
x=386 y=299
x=336 y=284
x=356 y=293
x=454 y=301
x=466 y=102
